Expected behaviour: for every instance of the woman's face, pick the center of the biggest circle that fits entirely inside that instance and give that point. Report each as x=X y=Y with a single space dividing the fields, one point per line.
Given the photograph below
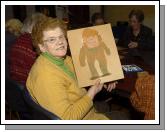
x=55 y=42
x=134 y=23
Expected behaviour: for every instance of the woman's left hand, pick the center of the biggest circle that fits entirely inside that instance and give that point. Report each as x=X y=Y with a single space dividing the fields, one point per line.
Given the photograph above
x=110 y=86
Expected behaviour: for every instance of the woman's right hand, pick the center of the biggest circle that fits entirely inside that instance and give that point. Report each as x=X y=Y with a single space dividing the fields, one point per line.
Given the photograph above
x=93 y=90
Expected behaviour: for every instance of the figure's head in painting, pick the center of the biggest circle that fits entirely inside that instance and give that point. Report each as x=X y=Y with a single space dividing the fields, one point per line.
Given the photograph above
x=91 y=38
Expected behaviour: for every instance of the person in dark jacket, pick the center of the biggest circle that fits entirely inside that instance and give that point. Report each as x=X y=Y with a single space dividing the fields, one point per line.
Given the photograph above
x=137 y=37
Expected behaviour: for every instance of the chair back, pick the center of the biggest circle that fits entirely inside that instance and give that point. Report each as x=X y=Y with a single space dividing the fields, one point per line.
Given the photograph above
x=14 y=99
x=38 y=112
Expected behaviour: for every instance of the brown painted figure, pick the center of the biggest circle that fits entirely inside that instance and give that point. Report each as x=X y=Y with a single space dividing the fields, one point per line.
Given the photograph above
x=94 y=49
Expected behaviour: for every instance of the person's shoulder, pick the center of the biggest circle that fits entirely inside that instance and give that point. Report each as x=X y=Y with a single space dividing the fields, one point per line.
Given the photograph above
x=42 y=68
x=68 y=59
x=24 y=38
x=9 y=37
x=146 y=29
x=25 y=41
x=25 y=35
x=42 y=71
x=42 y=63
x=39 y=62
x=127 y=30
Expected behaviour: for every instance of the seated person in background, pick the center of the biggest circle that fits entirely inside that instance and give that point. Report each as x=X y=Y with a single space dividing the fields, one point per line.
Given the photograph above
x=97 y=19
x=52 y=82
x=137 y=37
x=14 y=26
x=12 y=31
x=143 y=95
x=22 y=55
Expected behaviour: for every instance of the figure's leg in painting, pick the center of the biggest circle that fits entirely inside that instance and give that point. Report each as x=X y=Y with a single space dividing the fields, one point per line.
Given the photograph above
x=93 y=70
x=103 y=66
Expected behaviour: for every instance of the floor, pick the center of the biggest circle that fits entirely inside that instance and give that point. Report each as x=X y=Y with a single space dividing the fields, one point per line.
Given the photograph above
x=11 y=115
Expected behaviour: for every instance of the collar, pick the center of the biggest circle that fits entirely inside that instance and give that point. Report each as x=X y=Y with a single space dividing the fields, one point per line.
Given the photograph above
x=60 y=63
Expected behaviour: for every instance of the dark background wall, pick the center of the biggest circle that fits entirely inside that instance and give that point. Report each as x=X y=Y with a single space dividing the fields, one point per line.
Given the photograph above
x=79 y=15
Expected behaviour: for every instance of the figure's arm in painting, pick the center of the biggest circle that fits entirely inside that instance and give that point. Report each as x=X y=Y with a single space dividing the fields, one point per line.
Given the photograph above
x=82 y=56
x=107 y=50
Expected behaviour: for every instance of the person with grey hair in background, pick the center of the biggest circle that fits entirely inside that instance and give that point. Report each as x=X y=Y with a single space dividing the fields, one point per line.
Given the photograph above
x=138 y=38
x=22 y=54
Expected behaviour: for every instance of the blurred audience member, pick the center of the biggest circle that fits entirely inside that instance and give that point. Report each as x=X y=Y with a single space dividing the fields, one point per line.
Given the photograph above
x=22 y=54
x=12 y=31
x=14 y=26
x=143 y=95
x=137 y=37
x=97 y=19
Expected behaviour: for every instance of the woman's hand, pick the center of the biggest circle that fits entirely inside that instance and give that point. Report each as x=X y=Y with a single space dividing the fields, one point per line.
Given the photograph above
x=93 y=90
x=110 y=86
x=132 y=45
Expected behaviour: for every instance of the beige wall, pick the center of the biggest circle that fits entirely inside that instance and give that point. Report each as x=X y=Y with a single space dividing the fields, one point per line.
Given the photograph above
x=114 y=13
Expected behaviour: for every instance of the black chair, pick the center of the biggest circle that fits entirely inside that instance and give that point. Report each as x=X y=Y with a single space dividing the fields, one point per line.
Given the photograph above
x=38 y=112
x=14 y=101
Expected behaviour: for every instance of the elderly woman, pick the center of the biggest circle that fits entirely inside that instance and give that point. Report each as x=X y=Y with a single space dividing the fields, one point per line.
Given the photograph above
x=22 y=54
x=52 y=82
x=137 y=36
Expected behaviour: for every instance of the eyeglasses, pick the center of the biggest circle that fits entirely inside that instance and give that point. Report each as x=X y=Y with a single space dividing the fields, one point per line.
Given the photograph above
x=54 y=40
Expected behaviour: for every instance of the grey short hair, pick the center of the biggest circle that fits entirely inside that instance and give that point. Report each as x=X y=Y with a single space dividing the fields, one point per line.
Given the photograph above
x=30 y=21
x=138 y=13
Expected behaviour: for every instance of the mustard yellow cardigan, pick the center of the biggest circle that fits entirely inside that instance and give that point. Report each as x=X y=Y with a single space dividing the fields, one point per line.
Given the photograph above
x=54 y=90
